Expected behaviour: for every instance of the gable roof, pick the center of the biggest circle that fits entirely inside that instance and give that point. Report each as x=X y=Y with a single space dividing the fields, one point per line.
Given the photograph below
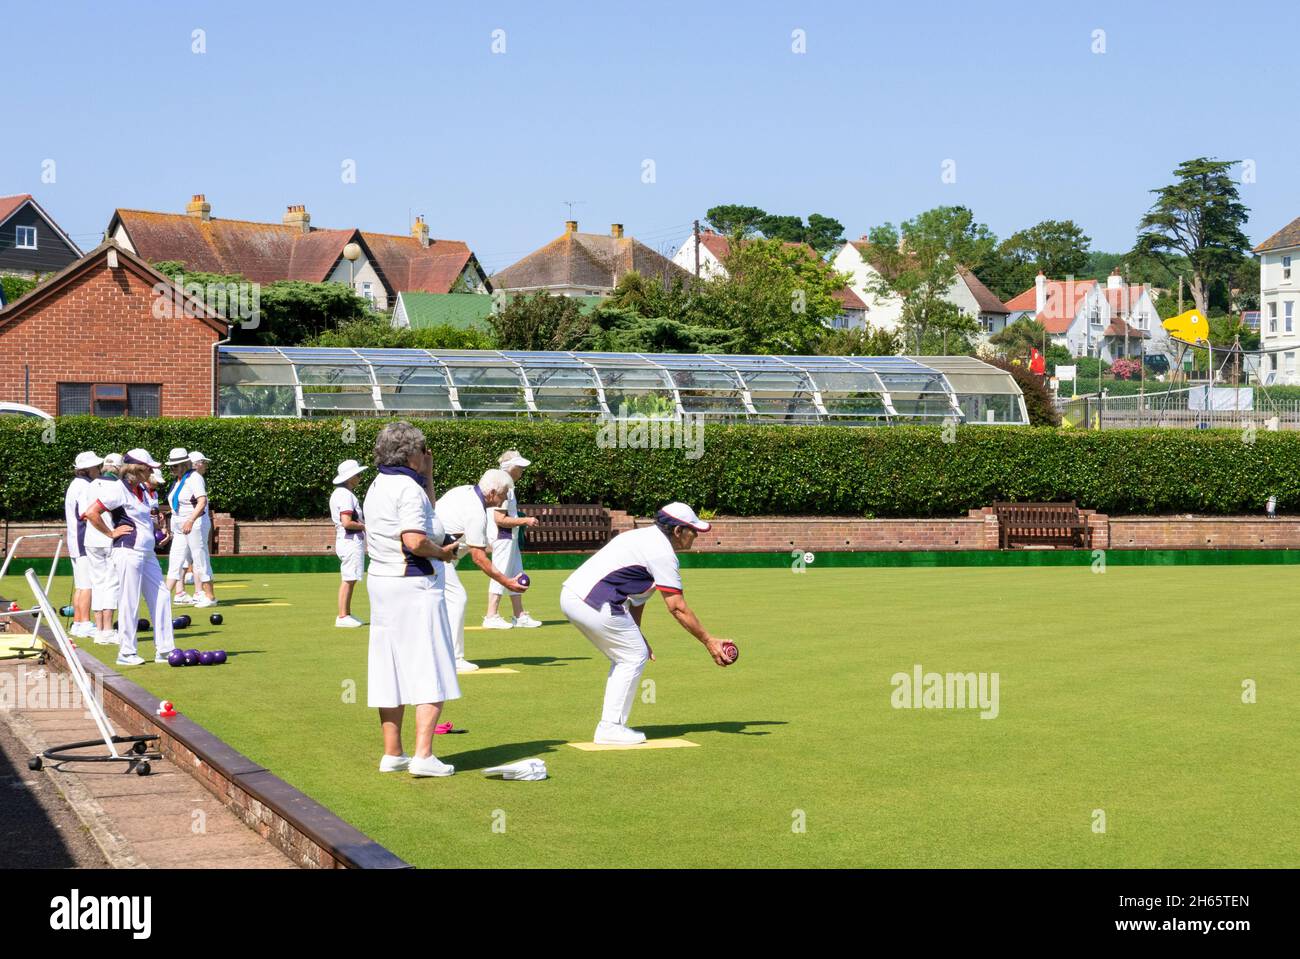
x=587 y=260
x=1123 y=299
x=9 y=205
x=126 y=260
x=266 y=252
x=848 y=299
x=985 y=298
x=1064 y=298
x=1284 y=238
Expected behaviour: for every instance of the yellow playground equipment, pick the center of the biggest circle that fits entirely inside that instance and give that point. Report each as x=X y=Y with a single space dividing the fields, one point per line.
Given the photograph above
x=1191 y=327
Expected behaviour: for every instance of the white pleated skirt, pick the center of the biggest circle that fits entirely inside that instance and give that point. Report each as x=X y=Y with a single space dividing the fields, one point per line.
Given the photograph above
x=411 y=657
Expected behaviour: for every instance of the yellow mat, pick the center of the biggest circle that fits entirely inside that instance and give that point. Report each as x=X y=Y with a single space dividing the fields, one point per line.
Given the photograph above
x=648 y=744
x=488 y=671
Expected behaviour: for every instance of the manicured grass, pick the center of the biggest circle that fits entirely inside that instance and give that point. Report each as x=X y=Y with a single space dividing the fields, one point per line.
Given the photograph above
x=1118 y=691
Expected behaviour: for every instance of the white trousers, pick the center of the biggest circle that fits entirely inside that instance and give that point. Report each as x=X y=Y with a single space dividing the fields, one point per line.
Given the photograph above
x=104 y=581
x=508 y=562
x=618 y=637
x=141 y=576
x=410 y=661
x=456 y=599
x=191 y=551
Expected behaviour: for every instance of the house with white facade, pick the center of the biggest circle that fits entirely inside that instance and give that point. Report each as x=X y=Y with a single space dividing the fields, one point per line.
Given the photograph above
x=883 y=310
x=714 y=249
x=1279 y=291
x=1078 y=314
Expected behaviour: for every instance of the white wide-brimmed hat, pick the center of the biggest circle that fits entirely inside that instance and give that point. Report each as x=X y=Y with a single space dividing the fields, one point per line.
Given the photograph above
x=347 y=470
x=177 y=456
x=86 y=460
x=512 y=458
x=197 y=457
x=140 y=457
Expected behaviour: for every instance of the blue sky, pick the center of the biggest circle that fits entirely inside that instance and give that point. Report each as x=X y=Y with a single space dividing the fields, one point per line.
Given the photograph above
x=488 y=146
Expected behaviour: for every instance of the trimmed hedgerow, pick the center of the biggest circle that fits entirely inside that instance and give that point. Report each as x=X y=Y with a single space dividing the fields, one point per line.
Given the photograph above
x=268 y=469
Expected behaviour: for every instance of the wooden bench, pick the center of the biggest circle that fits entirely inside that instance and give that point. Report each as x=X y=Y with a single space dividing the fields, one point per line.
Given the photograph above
x=562 y=528
x=1056 y=525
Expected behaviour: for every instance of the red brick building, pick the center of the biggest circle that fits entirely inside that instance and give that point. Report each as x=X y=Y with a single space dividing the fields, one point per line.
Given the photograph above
x=109 y=335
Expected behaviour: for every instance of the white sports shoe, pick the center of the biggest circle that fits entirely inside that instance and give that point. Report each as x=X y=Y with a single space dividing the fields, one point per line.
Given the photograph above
x=430 y=766
x=162 y=657
x=462 y=666
x=109 y=638
x=81 y=629
x=130 y=660
x=495 y=622
x=348 y=622
x=527 y=622
x=394 y=764
x=204 y=603
x=612 y=734
x=182 y=599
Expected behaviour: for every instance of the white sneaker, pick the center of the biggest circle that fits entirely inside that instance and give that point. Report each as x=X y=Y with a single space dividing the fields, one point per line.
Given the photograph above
x=430 y=766
x=612 y=734
x=81 y=629
x=495 y=622
x=131 y=660
x=394 y=764
x=109 y=638
x=204 y=603
x=463 y=666
x=524 y=621
x=162 y=658
x=182 y=599
x=348 y=622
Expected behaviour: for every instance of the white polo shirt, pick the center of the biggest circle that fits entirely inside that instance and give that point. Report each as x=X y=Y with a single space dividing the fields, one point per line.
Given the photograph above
x=397 y=503
x=122 y=505
x=105 y=486
x=628 y=568
x=463 y=512
x=343 y=500
x=511 y=508
x=76 y=526
x=184 y=496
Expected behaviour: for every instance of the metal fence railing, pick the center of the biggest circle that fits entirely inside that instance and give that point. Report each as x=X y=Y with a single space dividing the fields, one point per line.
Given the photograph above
x=1175 y=409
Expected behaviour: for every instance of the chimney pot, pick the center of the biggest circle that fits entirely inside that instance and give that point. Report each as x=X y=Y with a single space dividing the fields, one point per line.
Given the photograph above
x=616 y=230
x=297 y=215
x=420 y=230
x=1114 y=281
x=199 y=207
x=570 y=226
x=1040 y=293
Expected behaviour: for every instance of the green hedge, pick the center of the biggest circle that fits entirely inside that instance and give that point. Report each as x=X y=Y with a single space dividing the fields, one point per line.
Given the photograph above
x=265 y=469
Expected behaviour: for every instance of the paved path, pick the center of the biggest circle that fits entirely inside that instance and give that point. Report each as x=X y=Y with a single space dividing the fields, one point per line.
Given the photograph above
x=92 y=814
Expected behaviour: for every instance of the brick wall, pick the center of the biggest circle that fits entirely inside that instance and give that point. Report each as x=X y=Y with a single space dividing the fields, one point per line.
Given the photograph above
x=1232 y=532
x=100 y=327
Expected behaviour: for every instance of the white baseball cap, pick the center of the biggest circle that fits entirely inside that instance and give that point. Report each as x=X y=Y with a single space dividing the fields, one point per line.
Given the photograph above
x=86 y=460
x=197 y=457
x=112 y=461
x=177 y=456
x=140 y=456
x=157 y=478
x=512 y=458
x=347 y=470
x=683 y=515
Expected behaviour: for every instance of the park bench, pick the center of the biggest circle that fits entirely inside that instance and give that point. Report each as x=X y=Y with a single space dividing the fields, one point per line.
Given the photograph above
x=1058 y=525
x=562 y=528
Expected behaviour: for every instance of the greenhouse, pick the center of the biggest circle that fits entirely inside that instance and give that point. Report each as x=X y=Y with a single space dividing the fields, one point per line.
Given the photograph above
x=797 y=390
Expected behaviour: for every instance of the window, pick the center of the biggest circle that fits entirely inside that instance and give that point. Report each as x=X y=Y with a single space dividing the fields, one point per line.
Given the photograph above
x=1272 y=317
x=110 y=399
x=1286 y=269
x=1096 y=316
x=25 y=238
x=1288 y=308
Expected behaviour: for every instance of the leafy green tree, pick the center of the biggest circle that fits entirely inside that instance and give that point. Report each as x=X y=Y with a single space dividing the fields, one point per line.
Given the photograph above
x=824 y=233
x=871 y=341
x=541 y=321
x=918 y=262
x=16 y=286
x=1017 y=340
x=1057 y=247
x=788 y=229
x=379 y=333
x=731 y=219
x=1200 y=217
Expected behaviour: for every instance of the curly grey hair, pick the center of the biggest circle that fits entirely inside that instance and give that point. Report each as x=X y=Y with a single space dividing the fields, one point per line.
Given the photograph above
x=397 y=443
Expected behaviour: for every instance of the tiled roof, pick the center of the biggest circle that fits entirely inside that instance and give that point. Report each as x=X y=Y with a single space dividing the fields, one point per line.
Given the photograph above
x=1288 y=236
x=265 y=252
x=1117 y=327
x=985 y=298
x=849 y=300
x=10 y=204
x=1063 y=299
x=1123 y=299
x=591 y=260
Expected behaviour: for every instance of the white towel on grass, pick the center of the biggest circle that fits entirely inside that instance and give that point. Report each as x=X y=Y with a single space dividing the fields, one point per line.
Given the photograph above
x=526 y=769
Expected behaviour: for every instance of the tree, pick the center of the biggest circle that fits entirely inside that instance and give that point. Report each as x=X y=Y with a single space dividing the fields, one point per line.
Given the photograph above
x=1199 y=217
x=379 y=333
x=730 y=219
x=870 y=341
x=1038 y=398
x=824 y=233
x=918 y=262
x=788 y=229
x=541 y=321
x=1017 y=340
x=1057 y=247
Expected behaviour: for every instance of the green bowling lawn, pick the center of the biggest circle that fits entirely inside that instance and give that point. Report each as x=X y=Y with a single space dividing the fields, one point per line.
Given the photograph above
x=1119 y=692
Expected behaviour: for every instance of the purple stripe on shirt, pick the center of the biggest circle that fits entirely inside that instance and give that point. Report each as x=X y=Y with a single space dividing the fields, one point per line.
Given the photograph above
x=617 y=585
